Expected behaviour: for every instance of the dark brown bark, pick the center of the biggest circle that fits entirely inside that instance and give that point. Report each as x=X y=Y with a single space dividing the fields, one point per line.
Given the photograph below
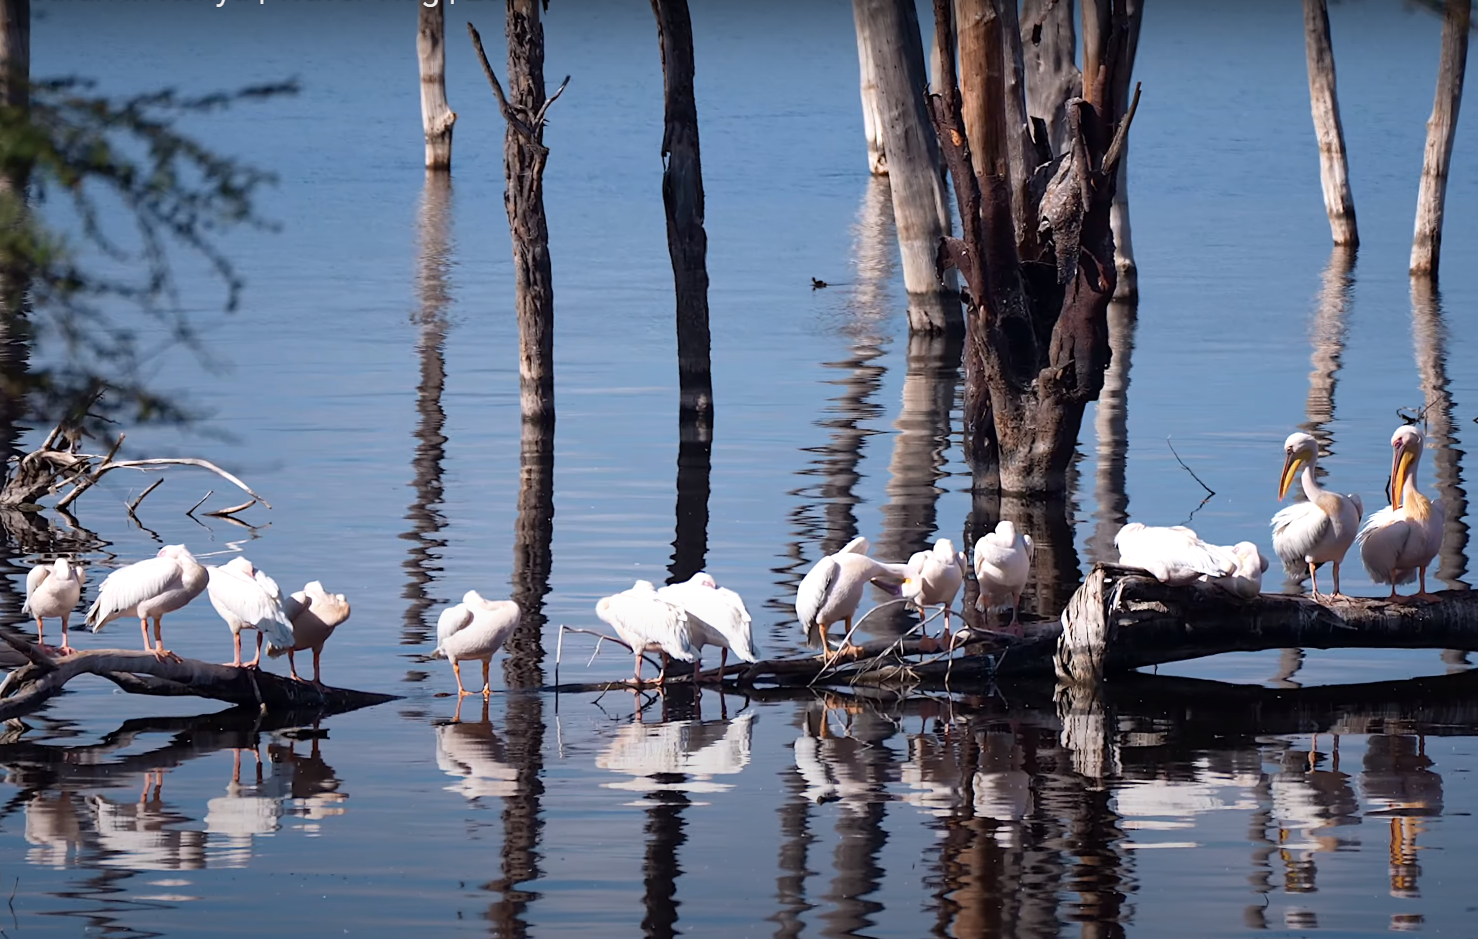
x=682 y=196
x=524 y=157
x=1426 y=246
x=437 y=118
x=1037 y=339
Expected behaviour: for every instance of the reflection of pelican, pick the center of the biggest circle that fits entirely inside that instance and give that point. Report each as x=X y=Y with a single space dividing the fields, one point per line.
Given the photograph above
x=1399 y=784
x=648 y=623
x=149 y=589
x=832 y=589
x=716 y=617
x=1173 y=555
x=1003 y=562
x=244 y=812
x=474 y=629
x=247 y=598
x=54 y=828
x=835 y=769
x=143 y=835
x=933 y=775
x=53 y=590
x=654 y=753
x=315 y=614
x=1307 y=534
x=473 y=754
x=1246 y=580
x=934 y=577
x=1312 y=801
x=1398 y=542
x=1003 y=790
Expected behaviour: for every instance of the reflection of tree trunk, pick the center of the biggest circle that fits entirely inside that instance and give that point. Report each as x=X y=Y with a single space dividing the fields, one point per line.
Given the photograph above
x=860 y=837
x=522 y=819
x=1112 y=428
x=1431 y=361
x=795 y=842
x=666 y=833
x=1328 y=336
x=533 y=533
x=433 y=290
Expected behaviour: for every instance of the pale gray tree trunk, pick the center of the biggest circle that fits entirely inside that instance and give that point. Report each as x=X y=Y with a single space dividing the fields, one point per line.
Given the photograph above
x=437 y=117
x=872 y=113
x=1426 y=246
x=1334 y=170
x=1049 y=39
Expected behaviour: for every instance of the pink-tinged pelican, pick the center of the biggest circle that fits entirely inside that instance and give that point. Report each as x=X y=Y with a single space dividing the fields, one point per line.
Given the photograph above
x=716 y=617
x=1003 y=564
x=53 y=590
x=315 y=614
x=149 y=589
x=1174 y=555
x=832 y=589
x=1246 y=580
x=934 y=578
x=246 y=598
x=1398 y=542
x=1307 y=534
x=475 y=629
x=648 y=623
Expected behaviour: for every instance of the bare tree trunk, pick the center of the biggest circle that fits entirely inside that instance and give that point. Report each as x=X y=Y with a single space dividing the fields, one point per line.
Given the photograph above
x=524 y=156
x=1334 y=169
x=533 y=536
x=920 y=212
x=437 y=117
x=1426 y=246
x=1049 y=37
x=682 y=195
x=872 y=109
x=1128 y=285
x=991 y=58
x=690 y=539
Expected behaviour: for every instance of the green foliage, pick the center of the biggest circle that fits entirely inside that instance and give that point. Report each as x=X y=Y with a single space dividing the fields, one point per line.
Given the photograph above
x=104 y=159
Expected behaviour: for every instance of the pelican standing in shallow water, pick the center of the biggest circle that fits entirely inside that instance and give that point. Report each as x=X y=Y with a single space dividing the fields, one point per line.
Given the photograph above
x=246 y=598
x=149 y=589
x=1398 y=542
x=934 y=578
x=53 y=590
x=832 y=589
x=475 y=629
x=716 y=617
x=1003 y=563
x=1174 y=555
x=315 y=614
x=648 y=623
x=1307 y=534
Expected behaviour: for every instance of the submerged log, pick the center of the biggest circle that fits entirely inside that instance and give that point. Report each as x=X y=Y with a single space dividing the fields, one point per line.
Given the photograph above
x=33 y=684
x=1122 y=619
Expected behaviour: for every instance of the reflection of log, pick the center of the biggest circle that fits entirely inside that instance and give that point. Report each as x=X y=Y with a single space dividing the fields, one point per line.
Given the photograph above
x=1431 y=361
x=1121 y=620
x=33 y=685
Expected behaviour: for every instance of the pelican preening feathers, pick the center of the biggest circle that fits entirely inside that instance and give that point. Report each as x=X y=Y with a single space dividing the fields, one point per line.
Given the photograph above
x=53 y=590
x=1398 y=542
x=1174 y=555
x=832 y=589
x=474 y=630
x=1003 y=562
x=246 y=598
x=1307 y=534
x=934 y=578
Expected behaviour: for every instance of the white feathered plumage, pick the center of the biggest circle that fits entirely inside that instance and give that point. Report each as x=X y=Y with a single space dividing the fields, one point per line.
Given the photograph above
x=149 y=589
x=1398 y=542
x=1246 y=580
x=474 y=630
x=53 y=590
x=935 y=577
x=1003 y=564
x=315 y=614
x=1320 y=530
x=648 y=623
x=716 y=617
x=1174 y=555
x=832 y=589
x=247 y=598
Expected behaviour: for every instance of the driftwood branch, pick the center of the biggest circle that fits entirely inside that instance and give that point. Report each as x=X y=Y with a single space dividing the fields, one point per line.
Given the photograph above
x=134 y=505
x=141 y=673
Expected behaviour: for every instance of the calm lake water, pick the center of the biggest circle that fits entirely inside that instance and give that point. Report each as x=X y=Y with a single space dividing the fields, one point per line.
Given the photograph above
x=369 y=389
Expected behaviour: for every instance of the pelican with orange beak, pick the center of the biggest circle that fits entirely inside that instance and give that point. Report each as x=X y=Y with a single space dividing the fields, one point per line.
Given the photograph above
x=1321 y=530
x=1398 y=542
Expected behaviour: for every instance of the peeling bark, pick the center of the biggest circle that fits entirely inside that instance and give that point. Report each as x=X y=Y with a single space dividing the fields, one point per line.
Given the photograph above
x=437 y=116
x=1334 y=169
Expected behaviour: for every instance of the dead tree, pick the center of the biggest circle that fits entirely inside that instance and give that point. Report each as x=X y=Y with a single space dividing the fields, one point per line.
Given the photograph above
x=524 y=156
x=872 y=111
x=1426 y=245
x=920 y=213
x=1334 y=169
x=682 y=197
x=1049 y=40
x=1037 y=336
x=437 y=117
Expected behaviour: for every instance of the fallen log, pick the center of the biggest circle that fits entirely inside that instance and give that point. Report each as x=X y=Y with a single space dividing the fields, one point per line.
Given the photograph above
x=29 y=687
x=1123 y=619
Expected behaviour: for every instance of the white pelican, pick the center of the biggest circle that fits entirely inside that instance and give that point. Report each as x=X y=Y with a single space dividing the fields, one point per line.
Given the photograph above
x=149 y=589
x=246 y=598
x=934 y=578
x=53 y=590
x=1307 y=534
x=832 y=589
x=314 y=613
x=1174 y=555
x=1398 y=542
x=648 y=623
x=1246 y=580
x=1003 y=562
x=475 y=629
x=716 y=617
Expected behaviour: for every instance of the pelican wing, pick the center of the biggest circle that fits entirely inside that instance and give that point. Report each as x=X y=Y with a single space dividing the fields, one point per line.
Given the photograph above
x=652 y=620
x=254 y=601
x=857 y=545
x=34 y=579
x=127 y=587
x=719 y=608
x=811 y=595
x=1173 y=555
x=1297 y=530
x=452 y=619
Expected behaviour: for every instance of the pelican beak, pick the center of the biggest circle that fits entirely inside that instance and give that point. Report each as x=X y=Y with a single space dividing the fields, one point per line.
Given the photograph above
x=1291 y=466
x=1400 y=470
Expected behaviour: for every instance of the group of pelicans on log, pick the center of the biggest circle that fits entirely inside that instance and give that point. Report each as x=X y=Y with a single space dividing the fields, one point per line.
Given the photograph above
x=679 y=620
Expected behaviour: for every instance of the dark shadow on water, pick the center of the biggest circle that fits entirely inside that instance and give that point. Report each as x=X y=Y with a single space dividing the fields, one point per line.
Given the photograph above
x=433 y=291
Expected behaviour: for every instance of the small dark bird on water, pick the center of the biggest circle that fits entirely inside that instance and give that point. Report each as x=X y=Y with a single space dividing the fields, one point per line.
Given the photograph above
x=818 y=284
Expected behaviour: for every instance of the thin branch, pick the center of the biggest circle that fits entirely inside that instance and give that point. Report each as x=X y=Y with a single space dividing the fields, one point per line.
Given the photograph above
x=1121 y=136
x=191 y=510
x=512 y=118
x=133 y=506
x=223 y=513
x=168 y=461
x=544 y=108
x=1209 y=490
